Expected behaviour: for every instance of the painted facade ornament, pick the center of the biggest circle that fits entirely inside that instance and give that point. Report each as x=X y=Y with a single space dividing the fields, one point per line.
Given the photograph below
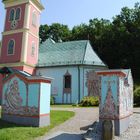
x=13 y=101
x=116 y=100
x=12 y=96
x=109 y=108
x=92 y=83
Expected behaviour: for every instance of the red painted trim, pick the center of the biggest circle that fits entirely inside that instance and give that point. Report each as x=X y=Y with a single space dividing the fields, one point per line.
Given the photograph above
x=112 y=73
x=36 y=116
x=117 y=118
x=43 y=115
x=27 y=80
x=38 y=81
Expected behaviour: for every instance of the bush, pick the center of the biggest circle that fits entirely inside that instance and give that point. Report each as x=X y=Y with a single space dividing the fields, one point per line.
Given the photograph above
x=52 y=102
x=89 y=101
x=137 y=96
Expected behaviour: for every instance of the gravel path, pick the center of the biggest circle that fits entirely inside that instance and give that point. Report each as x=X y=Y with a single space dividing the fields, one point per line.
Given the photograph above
x=133 y=132
x=73 y=128
x=84 y=117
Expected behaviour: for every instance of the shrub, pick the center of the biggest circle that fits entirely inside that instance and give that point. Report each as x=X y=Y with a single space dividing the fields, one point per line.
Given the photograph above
x=137 y=96
x=89 y=101
x=52 y=102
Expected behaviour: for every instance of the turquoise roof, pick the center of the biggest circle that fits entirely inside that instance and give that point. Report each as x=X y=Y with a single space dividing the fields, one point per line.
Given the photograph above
x=67 y=53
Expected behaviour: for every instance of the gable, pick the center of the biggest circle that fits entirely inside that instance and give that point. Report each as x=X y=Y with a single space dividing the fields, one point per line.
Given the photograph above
x=91 y=57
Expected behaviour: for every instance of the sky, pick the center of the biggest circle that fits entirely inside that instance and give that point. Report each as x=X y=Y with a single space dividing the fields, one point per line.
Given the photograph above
x=75 y=12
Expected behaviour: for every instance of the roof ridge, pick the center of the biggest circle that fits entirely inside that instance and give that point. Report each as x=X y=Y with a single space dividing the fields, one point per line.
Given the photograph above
x=71 y=41
x=85 y=52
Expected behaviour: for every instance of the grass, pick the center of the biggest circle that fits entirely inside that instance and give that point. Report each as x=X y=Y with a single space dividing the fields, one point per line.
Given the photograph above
x=9 y=131
x=62 y=105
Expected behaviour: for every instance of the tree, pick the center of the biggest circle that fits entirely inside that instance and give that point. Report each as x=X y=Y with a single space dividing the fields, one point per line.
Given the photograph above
x=43 y=32
x=59 y=32
x=116 y=42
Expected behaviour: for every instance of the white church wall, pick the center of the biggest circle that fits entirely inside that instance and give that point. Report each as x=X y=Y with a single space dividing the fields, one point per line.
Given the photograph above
x=57 y=84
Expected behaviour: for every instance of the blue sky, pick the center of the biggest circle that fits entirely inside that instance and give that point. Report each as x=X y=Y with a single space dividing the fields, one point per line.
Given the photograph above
x=74 y=12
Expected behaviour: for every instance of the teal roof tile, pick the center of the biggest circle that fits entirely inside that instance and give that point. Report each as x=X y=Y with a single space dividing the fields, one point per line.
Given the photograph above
x=67 y=53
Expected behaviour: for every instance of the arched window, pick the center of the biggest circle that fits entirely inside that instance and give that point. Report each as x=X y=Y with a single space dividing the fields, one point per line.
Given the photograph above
x=33 y=49
x=18 y=12
x=12 y=14
x=34 y=18
x=67 y=80
x=67 y=83
x=11 y=46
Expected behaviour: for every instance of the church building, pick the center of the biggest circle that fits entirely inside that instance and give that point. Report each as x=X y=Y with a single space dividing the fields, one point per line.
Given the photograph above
x=72 y=64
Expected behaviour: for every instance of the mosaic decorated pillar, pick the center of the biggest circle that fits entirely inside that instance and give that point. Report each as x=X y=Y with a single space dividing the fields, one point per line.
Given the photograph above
x=116 y=98
x=26 y=99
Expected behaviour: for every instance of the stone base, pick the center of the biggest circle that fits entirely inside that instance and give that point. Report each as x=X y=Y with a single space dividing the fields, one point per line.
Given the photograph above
x=27 y=121
x=121 y=125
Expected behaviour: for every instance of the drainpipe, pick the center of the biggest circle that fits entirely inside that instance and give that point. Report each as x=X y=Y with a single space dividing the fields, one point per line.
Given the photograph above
x=78 y=84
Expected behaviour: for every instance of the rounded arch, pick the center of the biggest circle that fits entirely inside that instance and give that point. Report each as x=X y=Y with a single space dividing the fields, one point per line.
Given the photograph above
x=11 y=47
x=18 y=13
x=12 y=14
x=67 y=80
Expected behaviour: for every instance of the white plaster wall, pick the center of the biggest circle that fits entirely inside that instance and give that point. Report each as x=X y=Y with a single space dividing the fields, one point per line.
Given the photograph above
x=57 y=84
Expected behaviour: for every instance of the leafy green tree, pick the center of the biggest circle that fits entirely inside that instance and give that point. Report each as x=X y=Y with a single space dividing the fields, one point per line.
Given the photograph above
x=59 y=32
x=43 y=32
x=116 y=42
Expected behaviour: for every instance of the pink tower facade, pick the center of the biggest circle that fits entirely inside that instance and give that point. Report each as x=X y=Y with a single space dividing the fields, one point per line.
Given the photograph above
x=20 y=40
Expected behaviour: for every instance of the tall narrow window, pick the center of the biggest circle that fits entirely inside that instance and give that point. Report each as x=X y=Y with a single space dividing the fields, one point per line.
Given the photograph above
x=67 y=81
x=18 y=12
x=12 y=15
x=33 y=49
x=34 y=19
x=11 y=46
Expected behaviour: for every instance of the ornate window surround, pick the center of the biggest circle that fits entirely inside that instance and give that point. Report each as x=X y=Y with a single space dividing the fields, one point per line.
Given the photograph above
x=15 y=13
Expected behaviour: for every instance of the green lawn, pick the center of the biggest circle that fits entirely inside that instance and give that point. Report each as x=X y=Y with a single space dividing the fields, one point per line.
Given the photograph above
x=62 y=105
x=15 y=132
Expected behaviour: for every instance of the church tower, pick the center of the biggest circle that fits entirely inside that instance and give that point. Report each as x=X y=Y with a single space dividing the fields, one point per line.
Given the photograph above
x=20 y=40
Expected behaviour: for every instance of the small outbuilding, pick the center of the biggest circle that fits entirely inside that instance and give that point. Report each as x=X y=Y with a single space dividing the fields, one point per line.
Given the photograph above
x=25 y=98
x=116 y=98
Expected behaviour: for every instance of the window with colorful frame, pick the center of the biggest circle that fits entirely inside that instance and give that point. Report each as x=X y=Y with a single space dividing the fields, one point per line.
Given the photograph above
x=11 y=47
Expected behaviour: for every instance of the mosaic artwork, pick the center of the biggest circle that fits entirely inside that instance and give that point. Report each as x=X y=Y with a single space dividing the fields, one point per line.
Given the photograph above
x=126 y=97
x=116 y=96
x=13 y=101
x=92 y=83
x=109 y=108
